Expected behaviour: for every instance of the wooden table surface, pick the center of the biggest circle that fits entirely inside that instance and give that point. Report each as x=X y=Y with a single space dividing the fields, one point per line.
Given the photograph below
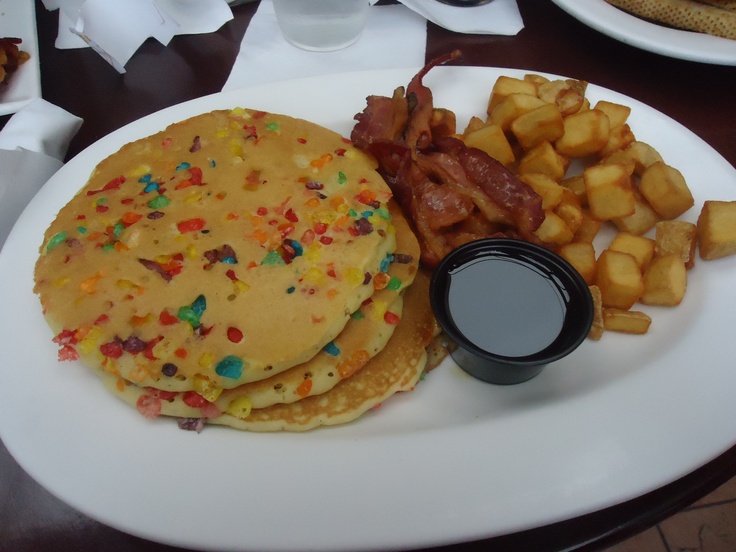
x=700 y=96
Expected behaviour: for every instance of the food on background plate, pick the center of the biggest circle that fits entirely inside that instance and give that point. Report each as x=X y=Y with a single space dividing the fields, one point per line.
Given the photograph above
x=11 y=57
x=714 y=17
x=548 y=167
x=231 y=262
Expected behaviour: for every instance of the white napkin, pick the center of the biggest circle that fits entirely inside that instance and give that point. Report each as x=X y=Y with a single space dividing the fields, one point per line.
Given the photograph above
x=33 y=144
x=394 y=36
x=117 y=29
x=499 y=17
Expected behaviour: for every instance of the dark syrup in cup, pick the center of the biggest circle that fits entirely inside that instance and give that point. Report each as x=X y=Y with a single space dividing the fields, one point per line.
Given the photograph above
x=509 y=308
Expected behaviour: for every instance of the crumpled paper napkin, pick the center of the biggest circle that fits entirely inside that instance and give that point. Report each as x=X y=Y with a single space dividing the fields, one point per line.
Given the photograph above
x=116 y=29
x=499 y=17
x=33 y=144
x=394 y=37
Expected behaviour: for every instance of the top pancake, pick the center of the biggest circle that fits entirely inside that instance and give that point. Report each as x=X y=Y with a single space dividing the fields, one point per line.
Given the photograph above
x=223 y=250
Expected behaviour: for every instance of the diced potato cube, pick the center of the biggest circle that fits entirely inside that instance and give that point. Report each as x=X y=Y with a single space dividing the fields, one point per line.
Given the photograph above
x=609 y=191
x=543 y=158
x=626 y=321
x=589 y=228
x=620 y=157
x=617 y=113
x=536 y=79
x=568 y=95
x=492 y=140
x=666 y=190
x=576 y=184
x=512 y=107
x=542 y=124
x=717 y=229
x=665 y=281
x=643 y=155
x=619 y=279
x=549 y=90
x=475 y=123
x=553 y=230
x=640 y=247
x=505 y=86
x=586 y=133
x=641 y=221
x=443 y=122
x=581 y=256
x=619 y=138
x=596 y=329
x=550 y=191
x=571 y=100
x=570 y=210
x=679 y=237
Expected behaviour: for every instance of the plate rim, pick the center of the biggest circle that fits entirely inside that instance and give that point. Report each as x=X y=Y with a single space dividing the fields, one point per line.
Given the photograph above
x=464 y=529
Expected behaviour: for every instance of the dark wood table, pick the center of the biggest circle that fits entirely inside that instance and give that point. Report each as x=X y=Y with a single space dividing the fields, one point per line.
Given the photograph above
x=700 y=96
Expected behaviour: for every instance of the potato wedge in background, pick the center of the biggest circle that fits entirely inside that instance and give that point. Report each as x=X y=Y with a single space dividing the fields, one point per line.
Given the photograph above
x=717 y=229
x=543 y=158
x=679 y=237
x=596 y=329
x=581 y=256
x=640 y=247
x=505 y=86
x=492 y=140
x=665 y=281
x=665 y=189
x=641 y=221
x=586 y=133
x=626 y=321
x=609 y=191
x=619 y=279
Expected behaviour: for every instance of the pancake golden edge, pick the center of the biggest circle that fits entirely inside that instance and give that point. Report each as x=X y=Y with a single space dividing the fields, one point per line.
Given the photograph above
x=398 y=367
x=223 y=250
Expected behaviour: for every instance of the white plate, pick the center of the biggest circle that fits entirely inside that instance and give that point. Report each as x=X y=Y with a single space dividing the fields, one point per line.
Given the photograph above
x=659 y=39
x=18 y=20
x=454 y=460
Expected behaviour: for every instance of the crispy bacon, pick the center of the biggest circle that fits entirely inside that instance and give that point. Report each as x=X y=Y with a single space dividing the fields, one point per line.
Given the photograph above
x=447 y=170
x=414 y=183
x=501 y=185
x=383 y=120
x=444 y=207
x=451 y=193
x=418 y=133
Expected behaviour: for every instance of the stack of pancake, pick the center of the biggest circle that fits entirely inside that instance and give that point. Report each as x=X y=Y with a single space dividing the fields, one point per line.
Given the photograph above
x=240 y=268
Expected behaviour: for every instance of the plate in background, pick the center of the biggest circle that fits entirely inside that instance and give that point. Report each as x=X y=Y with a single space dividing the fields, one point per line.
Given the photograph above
x=18 y=20
x=632 y=30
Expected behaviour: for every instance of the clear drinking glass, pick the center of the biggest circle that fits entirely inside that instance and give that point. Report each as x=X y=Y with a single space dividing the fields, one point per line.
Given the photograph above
x=321 y=25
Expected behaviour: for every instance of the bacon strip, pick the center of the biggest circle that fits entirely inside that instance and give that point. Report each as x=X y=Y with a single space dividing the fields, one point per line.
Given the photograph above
x=418 y=133
x=383 y=120
x=501 y=185
x=451 y=193
x=450 y=173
